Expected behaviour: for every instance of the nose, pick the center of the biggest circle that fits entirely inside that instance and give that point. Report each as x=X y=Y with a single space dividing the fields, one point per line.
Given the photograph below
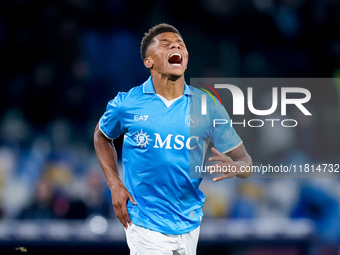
x=175 y=45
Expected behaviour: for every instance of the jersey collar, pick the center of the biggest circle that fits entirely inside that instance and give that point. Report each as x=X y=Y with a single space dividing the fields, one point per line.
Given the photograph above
x=149 y=89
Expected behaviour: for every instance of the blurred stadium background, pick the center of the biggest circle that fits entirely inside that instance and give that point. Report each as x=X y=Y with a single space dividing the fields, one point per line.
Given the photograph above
x=62 y=61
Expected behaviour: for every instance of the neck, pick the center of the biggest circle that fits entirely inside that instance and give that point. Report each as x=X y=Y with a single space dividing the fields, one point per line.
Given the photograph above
x=168 y=87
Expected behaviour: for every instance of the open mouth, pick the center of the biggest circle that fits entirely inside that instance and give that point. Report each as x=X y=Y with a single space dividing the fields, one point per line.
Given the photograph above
x=175 y=59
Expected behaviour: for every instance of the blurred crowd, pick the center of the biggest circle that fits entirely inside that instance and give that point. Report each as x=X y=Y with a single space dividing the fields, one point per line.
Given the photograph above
x=62 y=61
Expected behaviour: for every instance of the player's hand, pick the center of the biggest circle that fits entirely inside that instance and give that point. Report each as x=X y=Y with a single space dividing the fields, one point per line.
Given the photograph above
x=227 y=166
x=120 y=196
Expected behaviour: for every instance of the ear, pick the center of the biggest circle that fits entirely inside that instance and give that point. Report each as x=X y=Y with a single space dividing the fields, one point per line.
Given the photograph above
x=148 y=62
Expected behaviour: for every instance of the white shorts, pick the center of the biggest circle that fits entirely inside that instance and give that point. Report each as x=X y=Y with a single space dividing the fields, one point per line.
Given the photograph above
x=142 y=241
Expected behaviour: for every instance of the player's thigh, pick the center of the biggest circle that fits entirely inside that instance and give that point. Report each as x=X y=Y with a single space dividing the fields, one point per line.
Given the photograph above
x=188 y=243
x=142 y=241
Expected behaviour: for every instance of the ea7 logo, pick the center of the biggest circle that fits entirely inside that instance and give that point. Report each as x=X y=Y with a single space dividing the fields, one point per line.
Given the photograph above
x=141 y=117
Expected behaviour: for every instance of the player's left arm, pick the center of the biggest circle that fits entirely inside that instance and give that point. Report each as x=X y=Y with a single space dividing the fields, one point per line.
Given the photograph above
x=233 y=163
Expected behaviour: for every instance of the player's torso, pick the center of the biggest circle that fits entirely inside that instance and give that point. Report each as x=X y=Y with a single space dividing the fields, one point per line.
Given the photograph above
x=158 y=145
x=156 y=135
x=153 y=126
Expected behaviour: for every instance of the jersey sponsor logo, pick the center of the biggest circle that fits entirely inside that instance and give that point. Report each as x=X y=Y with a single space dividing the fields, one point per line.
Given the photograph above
x=170 y=142
x=191 y=121
x=177 y=142
x=142 y=139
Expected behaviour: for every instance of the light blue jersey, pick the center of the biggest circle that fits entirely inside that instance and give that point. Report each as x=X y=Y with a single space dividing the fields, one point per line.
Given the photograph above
x=161 y=142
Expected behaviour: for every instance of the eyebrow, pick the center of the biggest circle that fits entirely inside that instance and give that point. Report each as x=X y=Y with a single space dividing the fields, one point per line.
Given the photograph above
x=166 y=40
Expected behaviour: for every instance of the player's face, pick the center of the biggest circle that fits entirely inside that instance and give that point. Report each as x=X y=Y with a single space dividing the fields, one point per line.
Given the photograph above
x=167 y=55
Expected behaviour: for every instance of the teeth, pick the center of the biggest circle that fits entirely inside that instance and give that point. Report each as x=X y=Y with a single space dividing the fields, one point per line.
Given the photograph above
x=176 y=54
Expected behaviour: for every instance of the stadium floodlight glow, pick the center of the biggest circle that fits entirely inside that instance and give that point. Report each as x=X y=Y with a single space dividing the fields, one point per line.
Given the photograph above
x=98 y=224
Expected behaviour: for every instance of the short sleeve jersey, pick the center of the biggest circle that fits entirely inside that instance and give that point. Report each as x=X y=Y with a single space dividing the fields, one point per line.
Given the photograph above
x=160 y=145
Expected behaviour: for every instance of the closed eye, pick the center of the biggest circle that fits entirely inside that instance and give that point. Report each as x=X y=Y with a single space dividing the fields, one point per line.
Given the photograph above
x=165 y=42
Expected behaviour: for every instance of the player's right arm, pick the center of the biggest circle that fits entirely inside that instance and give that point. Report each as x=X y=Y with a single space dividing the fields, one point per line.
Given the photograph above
x=107 y=157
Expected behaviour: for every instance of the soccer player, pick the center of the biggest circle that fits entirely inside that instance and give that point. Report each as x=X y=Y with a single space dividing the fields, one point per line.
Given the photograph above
x=160 y=203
